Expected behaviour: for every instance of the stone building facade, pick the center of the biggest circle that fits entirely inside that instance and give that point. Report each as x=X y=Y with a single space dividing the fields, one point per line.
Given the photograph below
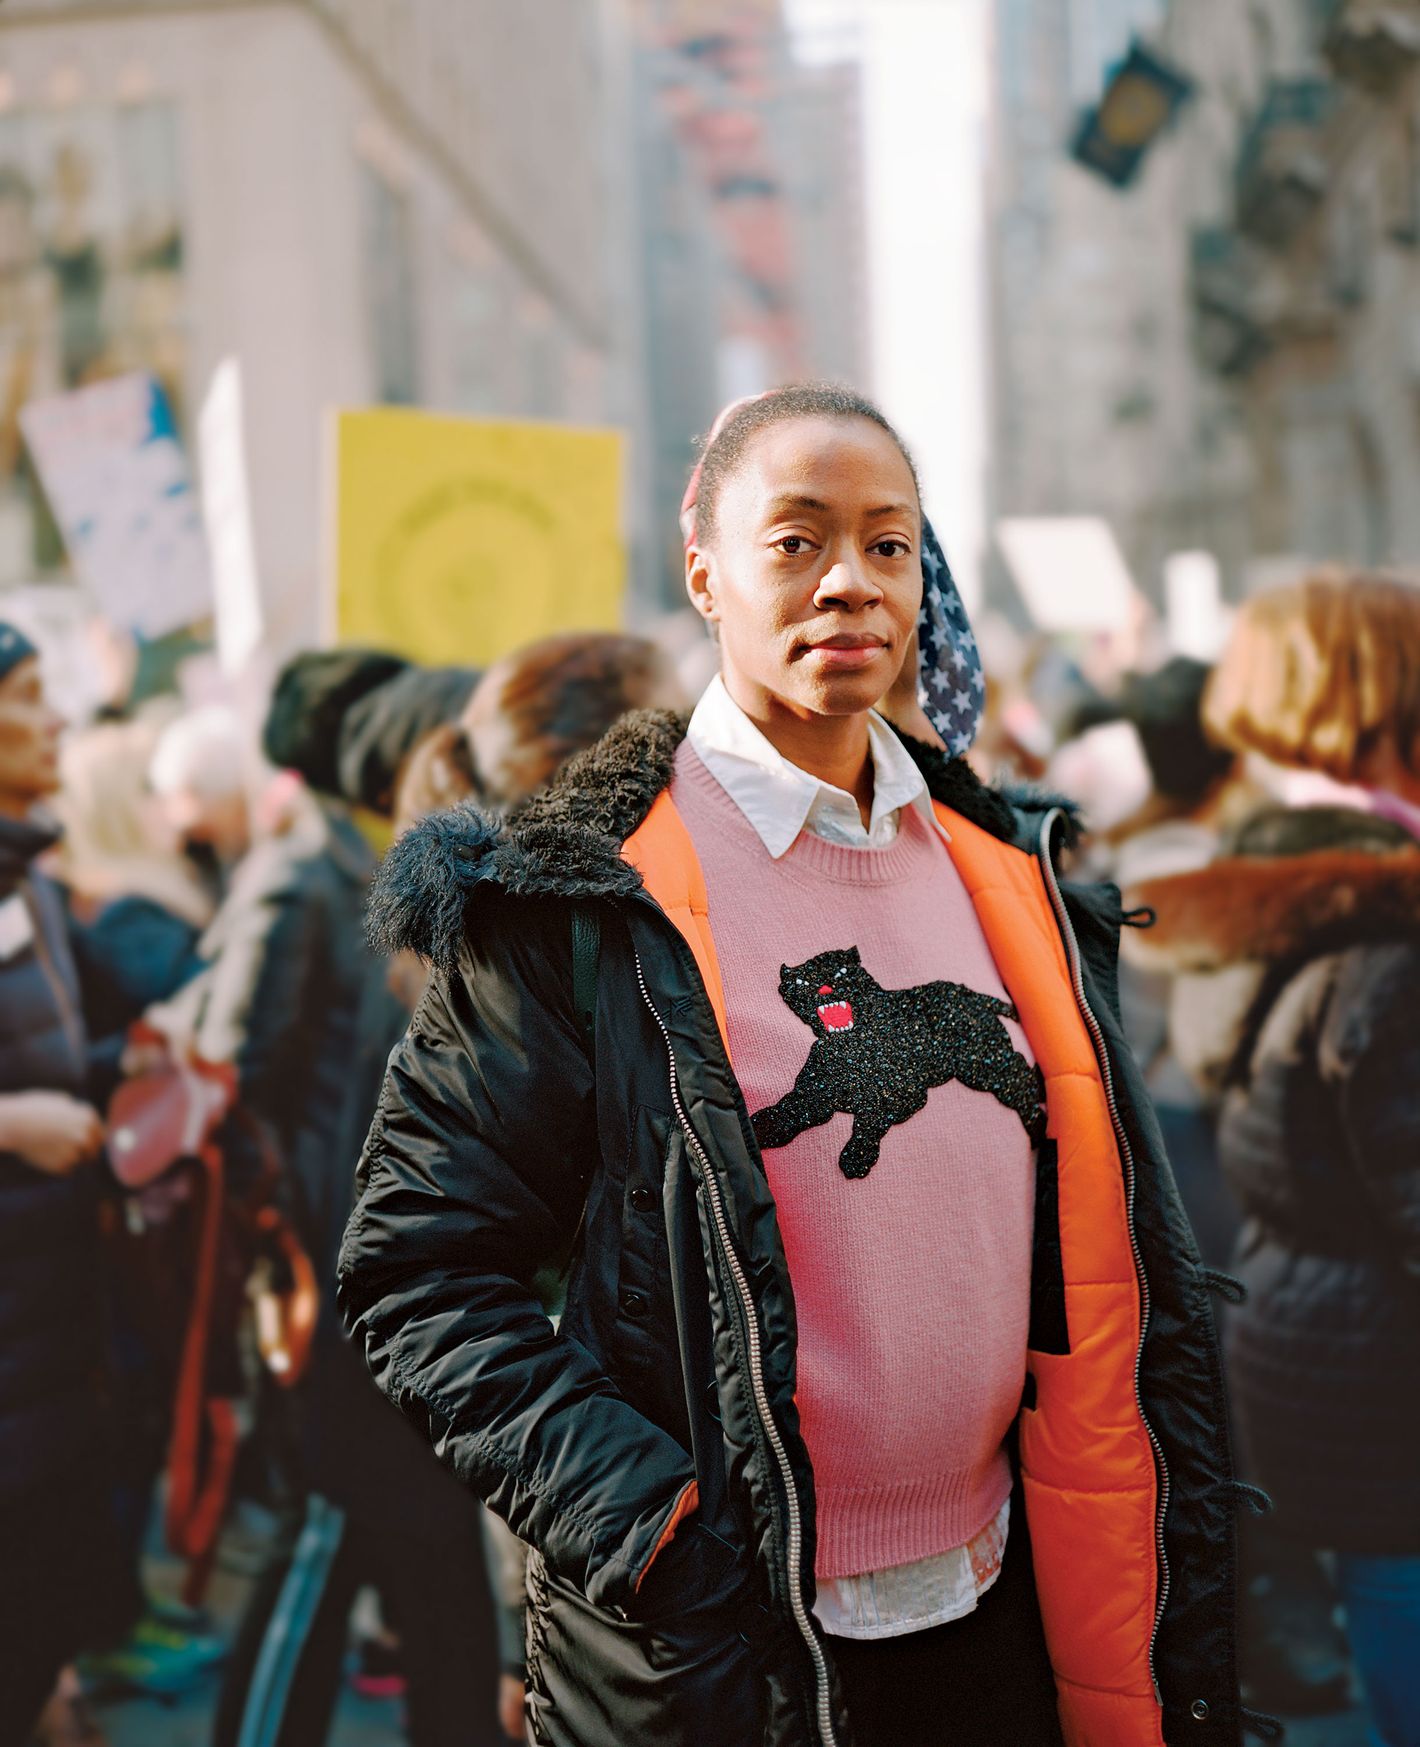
x=1223 y=354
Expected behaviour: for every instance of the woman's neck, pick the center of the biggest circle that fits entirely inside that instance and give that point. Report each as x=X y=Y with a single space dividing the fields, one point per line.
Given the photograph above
x=835 y=749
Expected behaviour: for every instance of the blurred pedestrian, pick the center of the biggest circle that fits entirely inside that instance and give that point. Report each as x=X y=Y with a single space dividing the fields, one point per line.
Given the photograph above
x=279 y=998
x=138 y=903
x=54 y=1526
x=1308 y=936
x=762 y=1514
x=137 y=908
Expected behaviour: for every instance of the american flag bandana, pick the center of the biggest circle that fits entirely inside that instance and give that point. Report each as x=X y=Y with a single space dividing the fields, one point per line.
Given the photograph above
x=951 y=686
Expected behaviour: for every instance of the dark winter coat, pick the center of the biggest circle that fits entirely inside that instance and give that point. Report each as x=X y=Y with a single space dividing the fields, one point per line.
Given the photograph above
x=503 y=1141
x=1307 y=951
x=284 y=968
x=50 y=1323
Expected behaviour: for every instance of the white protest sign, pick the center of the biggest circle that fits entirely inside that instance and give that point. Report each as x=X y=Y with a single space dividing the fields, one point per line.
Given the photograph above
x=116 y=478
x=226 y=509
x=1070 y=572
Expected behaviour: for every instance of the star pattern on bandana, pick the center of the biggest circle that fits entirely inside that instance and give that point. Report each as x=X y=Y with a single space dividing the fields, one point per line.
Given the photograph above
x=950 y=684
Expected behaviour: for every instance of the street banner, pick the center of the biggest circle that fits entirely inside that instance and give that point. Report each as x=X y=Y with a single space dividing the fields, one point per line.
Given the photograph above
x=226 y=510
x=457 y=540
x=117 y=480
x=1140 y=99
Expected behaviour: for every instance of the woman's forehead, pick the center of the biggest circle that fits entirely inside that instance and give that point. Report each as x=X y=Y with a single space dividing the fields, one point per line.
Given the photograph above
x=841 y=462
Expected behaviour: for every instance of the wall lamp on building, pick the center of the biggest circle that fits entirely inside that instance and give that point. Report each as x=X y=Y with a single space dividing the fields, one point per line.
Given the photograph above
x=1140 y=99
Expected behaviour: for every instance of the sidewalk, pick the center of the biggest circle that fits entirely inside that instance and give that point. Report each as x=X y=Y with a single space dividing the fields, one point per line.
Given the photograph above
x=187 y=1722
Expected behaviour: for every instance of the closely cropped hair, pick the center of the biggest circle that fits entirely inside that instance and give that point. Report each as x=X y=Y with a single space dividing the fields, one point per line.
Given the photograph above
x=1322 y=673
x=800 y=400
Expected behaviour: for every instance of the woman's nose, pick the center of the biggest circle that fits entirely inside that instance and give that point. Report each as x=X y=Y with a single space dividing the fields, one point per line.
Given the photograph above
x=848 y=582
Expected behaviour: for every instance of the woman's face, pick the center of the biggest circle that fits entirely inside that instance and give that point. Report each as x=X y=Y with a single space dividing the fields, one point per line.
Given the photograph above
x=29 y=739
x=815 y=576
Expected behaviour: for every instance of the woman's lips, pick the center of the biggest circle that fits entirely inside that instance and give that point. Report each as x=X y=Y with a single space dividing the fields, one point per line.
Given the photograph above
x=845 y=657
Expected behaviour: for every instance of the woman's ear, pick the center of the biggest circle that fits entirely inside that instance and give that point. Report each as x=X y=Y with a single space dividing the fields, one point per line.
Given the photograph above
x=700 y=583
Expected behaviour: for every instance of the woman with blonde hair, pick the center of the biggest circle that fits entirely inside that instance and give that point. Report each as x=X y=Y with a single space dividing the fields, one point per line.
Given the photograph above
x=1302 y=948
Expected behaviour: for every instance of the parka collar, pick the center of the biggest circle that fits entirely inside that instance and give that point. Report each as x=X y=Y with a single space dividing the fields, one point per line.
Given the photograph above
x=566 y=842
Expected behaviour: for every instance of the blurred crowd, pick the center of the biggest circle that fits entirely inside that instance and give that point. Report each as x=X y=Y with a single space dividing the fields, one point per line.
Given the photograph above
x=193 y=1033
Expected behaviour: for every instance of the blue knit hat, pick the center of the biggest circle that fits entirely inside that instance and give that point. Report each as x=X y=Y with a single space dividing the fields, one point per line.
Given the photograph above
x=15 y=647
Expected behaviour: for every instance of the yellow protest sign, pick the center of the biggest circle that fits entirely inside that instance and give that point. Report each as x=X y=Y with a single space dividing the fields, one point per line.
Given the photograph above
x=456 y=540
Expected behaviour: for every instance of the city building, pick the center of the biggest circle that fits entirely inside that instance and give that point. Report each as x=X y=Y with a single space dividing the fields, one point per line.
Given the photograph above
x=752 y=223
x=1220 y=354
x=410 y=201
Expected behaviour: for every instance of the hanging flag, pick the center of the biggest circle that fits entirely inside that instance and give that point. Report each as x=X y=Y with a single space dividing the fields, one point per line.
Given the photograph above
x=1141 y=97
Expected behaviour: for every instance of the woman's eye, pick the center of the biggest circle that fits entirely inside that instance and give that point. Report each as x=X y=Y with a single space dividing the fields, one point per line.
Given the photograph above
x=890 y=548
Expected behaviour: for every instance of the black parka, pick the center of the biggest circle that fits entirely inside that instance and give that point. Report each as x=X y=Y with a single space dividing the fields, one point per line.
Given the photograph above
x=503 y=1141
x=51 y=1333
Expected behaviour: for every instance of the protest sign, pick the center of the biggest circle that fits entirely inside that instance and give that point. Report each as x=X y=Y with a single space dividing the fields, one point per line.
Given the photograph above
x=226 y=510
x=1070 y=571
x=456 y=540
x=118 y=483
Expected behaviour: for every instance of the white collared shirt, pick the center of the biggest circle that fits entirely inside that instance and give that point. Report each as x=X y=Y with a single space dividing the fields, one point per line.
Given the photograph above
x=780 y=800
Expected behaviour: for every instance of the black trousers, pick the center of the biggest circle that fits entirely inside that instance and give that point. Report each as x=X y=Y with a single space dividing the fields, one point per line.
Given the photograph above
x=61 y=1588
x=981 y=1681
x=283 y=1679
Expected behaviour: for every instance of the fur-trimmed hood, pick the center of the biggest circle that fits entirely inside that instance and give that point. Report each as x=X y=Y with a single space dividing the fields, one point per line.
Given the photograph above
x=1259 y=908
x=1233 y=934
x=567 y=840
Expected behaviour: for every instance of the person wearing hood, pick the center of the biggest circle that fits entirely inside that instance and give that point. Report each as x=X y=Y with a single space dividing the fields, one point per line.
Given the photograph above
x=885 y=1405
x=1298 y=957
x=52 y=1490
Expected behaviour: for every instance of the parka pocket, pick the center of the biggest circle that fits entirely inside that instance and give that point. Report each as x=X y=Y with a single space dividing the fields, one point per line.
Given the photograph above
x=689 y=1677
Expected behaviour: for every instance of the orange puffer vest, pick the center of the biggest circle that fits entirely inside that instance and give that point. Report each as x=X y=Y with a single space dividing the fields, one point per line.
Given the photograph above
x=1091 y=1481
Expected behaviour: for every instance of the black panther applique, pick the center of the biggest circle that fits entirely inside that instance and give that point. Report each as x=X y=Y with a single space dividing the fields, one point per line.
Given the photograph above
x=878 y=1052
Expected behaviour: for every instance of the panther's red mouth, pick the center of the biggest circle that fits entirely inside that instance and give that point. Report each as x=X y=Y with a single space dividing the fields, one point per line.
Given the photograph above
x=836 y=1015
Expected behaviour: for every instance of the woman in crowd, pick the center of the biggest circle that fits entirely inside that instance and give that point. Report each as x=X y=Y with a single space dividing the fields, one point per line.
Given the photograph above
x=1302 y=953
x=55 y=1537
x=885 y=1405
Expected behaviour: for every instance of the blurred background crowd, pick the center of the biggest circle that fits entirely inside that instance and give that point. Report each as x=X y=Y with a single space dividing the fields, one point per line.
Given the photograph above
x=353 y=356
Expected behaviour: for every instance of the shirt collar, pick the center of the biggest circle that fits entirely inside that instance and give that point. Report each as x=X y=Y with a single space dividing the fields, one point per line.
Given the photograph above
x=780 y=800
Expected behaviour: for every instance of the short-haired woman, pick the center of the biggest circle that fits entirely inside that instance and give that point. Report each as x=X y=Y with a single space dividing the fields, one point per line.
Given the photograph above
x=886 y=1403
x=1303 y=952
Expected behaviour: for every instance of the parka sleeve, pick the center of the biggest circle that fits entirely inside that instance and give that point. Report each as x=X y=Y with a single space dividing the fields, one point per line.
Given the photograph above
x=474 y=1175
x=1370 y=1052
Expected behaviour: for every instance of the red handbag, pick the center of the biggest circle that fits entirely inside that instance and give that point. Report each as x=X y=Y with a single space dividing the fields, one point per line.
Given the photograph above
x=158 y=1118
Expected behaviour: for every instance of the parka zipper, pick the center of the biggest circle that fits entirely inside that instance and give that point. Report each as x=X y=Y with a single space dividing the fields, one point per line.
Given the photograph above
x=1126 y=1154
x=795 y=1538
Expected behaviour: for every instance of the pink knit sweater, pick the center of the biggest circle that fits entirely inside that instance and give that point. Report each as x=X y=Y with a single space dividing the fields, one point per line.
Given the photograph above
x=912 y=1281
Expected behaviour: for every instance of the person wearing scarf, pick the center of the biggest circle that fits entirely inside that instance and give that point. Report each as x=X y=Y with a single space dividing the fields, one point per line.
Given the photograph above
x=854 y=1429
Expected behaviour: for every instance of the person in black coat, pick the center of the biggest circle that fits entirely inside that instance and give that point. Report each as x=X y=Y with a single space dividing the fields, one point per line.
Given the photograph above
x=555 y=1103
x=1302 y=948
x=53 y=1528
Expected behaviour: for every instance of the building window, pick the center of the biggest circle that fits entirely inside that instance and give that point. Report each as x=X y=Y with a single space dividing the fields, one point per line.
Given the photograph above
x=390 y=288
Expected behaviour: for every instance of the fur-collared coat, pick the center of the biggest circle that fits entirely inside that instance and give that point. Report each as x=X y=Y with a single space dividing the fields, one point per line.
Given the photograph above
x=510 y=1134
x=1299 y=964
